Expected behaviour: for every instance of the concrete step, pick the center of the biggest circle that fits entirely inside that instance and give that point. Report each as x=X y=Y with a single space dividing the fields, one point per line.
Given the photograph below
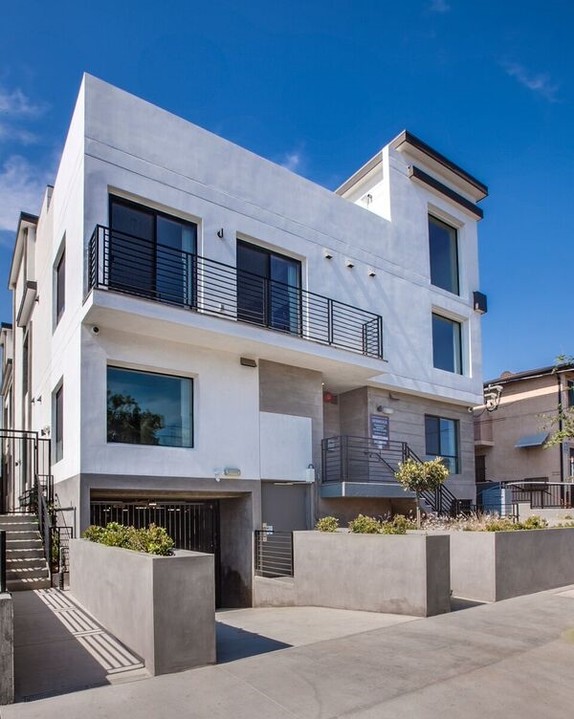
x=38 y=572
x=23 y=543
x=22 y=552
x=31 y=533
x=18 y=518
x=21 y=585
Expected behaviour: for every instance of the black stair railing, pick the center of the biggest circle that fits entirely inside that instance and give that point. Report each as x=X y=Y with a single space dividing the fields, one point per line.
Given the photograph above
x=128 y=264
x=362 y=459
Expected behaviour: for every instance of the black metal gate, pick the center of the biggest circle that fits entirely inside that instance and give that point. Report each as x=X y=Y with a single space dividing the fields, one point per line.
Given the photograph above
x=192 y=525
x=25 y=468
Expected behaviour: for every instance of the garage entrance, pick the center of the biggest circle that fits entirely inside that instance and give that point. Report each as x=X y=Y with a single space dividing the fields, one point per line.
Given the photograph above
x=192 y=525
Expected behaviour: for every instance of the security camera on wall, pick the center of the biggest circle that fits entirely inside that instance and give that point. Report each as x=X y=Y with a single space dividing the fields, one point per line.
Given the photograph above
x=95 y=330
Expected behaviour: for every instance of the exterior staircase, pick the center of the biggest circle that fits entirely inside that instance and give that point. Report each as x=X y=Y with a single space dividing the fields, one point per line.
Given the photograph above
x=26 y=566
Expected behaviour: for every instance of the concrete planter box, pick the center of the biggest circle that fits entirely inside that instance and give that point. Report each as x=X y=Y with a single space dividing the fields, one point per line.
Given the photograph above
x=162 y=608
x=490 y=566
x=6 y=649
x=400 y=574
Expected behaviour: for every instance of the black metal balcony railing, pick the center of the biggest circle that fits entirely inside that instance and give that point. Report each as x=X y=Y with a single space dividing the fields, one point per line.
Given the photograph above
x=360 y=459
x=124 y=263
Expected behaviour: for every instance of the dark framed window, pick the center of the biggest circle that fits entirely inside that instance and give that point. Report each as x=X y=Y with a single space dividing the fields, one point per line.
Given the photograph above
x=58 y=423
x=570 y=392
x=268 y=288
x=151 y=253
x=149 y=408
x=60 y=285
x=443 y=246
x=25 y=364
x=442 y=440
x=447 y=344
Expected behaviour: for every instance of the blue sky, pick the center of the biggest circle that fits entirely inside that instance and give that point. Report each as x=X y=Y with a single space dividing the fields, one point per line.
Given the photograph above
x=319 y=87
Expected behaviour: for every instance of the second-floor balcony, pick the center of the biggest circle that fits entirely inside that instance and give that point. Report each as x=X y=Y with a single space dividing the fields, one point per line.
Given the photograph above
x=131 y=265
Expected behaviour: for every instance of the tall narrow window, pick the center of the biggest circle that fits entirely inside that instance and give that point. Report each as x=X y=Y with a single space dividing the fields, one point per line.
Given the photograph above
x=441 y=436
x=570 y=391
x=25 y=364
x=60 y=285
x=446 y=344
x=58 y=423
x=443 y=246
x=268 y=288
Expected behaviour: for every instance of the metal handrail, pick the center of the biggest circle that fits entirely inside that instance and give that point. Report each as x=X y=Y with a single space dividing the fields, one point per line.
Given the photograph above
x=125 y=263
x=273 y=553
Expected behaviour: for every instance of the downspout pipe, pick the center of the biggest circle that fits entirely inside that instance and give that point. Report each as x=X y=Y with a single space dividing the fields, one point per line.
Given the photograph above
x=560 y=425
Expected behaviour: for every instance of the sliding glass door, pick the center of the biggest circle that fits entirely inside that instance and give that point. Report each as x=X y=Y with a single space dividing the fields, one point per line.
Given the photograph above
x=268 y=288
x=151 y=254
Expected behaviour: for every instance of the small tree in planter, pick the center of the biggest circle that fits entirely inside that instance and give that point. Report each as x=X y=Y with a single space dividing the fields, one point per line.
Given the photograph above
x=419 y=477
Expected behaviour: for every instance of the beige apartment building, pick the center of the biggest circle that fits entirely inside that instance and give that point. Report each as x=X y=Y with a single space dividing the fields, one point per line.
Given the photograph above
x=510 y=441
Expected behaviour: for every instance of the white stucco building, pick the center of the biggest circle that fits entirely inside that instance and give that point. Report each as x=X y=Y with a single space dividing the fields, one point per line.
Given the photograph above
x=201 y=331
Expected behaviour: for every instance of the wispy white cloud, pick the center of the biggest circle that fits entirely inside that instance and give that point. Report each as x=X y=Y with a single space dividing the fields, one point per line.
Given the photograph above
x=17 y=104
x=539 y=83
x=17 y=108
x=292 y=161
x=439 y=6
x=21 y=188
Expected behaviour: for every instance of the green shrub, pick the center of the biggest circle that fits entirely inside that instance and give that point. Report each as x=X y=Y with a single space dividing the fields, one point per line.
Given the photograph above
x=398 y=525
x=365 y=525
x=533 y=522
x=153 y=540
x=565 y=525
x=327 y=524
x=499 y=524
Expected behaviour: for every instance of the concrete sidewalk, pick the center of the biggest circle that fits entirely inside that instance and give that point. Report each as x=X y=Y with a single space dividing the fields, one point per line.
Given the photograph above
x=511 y=659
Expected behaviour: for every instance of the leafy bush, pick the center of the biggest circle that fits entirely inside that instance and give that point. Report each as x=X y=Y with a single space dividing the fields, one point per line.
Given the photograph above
x=533 y=522
x=365 y=525
x=397 y=525
x=498 y=524
x=153 y=540
x=327 y=524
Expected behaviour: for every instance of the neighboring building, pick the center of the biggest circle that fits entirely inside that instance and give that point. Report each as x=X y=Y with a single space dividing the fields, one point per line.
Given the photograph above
x=206 y=336
x=509 y=442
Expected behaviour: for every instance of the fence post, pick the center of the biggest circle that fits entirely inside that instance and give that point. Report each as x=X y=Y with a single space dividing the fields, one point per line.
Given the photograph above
x=2 y=562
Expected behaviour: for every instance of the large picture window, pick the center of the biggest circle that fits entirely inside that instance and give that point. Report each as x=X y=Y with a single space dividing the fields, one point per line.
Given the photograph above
x=151 y=253
x=149 y=408
x=441 y=436
x=446 y=344
x=443 y=247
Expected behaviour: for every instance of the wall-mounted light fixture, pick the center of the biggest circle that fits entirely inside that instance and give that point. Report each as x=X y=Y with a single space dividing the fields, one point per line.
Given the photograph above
x=220 y=233
x=247 y=362
x=45 y=431
x=327 y=254
x=385 y=410
x=349 y=264
x=232 y=472
x=372 y=272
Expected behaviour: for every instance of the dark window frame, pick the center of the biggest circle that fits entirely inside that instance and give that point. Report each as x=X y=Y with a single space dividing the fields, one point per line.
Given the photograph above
x=147 y=373
x=437 y=432
x=267 y=312
x=454 y=256
x=58 y=421
x=456 y=348
x=155 y=214
x=60 y=284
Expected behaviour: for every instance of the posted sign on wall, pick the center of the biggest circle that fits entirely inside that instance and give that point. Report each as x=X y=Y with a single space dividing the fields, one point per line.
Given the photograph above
x=380 y=430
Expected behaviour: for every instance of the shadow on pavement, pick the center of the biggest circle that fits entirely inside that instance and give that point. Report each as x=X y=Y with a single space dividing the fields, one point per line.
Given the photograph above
x=235 y=643
x=59 y=648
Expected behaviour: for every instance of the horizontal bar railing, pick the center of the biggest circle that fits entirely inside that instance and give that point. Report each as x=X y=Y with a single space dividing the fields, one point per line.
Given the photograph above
x=124 y=263
x=361 y=459
x=273 y=553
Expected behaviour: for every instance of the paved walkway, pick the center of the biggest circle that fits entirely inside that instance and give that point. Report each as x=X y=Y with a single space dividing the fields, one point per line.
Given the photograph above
x=510 y=659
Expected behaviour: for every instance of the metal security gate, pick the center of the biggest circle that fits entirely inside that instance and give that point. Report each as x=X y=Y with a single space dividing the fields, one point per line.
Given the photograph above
x=192 y=525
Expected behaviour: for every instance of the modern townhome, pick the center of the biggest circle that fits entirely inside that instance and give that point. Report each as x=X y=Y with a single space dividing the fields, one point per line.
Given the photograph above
x=215 y=344
x=510 y=442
